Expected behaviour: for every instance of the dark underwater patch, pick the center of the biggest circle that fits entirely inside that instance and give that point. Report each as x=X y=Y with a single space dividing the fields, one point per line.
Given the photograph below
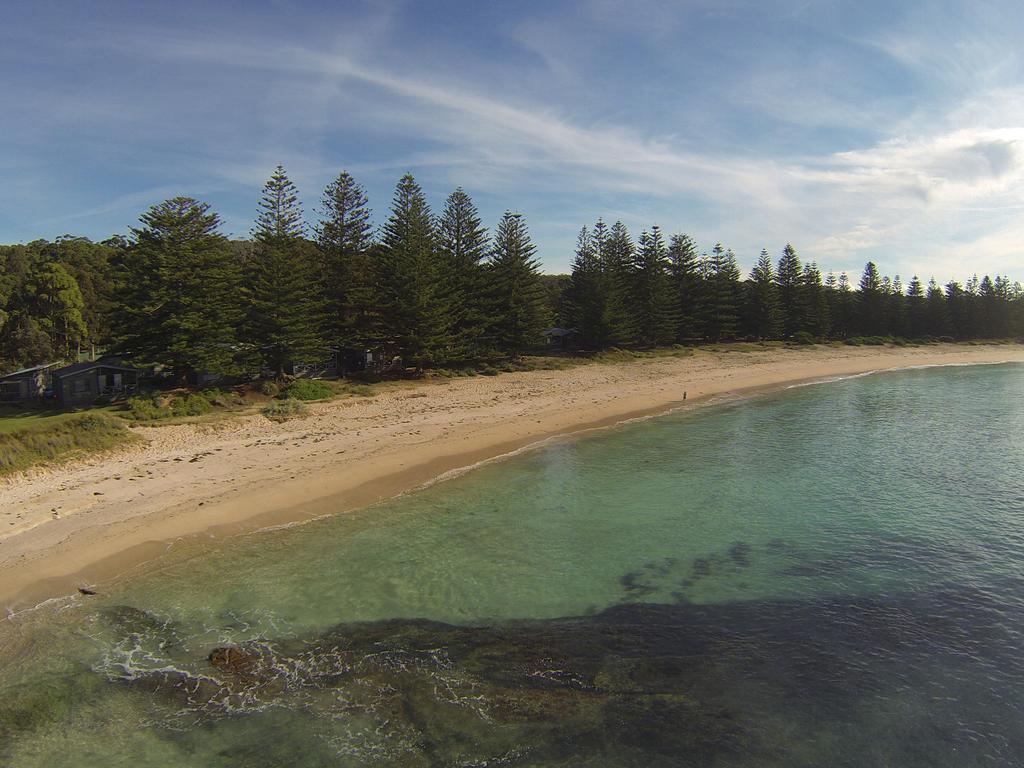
x=636 y=684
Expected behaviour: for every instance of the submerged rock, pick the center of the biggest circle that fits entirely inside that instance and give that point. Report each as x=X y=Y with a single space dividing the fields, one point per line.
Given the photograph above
x=638 y=684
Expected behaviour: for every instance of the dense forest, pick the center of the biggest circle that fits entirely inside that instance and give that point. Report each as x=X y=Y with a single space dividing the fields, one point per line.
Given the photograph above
x=432 y=289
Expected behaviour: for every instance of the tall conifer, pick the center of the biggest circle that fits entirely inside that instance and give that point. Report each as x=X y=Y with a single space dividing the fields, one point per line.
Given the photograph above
x=871 y=302
x=789 y=278
x=463 y=245
x=724 y=293
x=344 y=235
x=815 y=309
x=284 y=292
x=617 y=254
x=182 y=291
x=519 y=308
x=587 y=294
x=763 y=318
x=417 y=317
x=654 y=308
x=687 y=285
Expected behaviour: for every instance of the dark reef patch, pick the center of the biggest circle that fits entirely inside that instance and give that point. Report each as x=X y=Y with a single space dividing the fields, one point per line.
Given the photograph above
x=637 y=684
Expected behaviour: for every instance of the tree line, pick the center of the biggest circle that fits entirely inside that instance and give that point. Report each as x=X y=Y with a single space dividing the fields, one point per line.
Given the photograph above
x=178 y=293
x=432 y=289
x=651 y=292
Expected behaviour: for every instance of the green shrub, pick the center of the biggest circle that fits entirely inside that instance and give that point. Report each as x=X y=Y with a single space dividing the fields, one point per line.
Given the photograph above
x=308 y=389
x=804 y=338
x=283 y=410
x=190 y=405
x=146 y=409
x=270 y=388
x=158 y=407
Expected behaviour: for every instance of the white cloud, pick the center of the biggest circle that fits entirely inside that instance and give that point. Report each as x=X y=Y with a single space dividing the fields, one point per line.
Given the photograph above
x=936 y=180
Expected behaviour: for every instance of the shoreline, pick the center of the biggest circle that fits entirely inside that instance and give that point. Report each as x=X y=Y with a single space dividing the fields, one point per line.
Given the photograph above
x=115 y=513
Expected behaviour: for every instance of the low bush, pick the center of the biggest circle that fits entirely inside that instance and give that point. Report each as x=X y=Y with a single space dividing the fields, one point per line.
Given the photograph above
x=269 y=388
x=803 y=338
x=144 y=408
x=307 y=389
x=163 y=406
x=190 y=405
x=64 y=440
x=283 y=410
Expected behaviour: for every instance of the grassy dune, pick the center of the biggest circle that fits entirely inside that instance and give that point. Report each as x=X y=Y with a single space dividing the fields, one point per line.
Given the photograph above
x=60 y=440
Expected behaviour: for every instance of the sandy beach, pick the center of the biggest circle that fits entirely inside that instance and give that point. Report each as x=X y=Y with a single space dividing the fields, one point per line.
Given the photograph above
x=91 y=521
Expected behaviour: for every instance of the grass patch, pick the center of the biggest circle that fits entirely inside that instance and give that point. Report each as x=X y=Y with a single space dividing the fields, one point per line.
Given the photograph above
x=12 y=419
x=61 y=440
x=285 y=410
x=307 y=389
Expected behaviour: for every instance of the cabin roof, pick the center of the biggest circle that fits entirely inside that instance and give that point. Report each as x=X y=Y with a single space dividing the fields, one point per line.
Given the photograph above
x=76 y=368
x=25 y=371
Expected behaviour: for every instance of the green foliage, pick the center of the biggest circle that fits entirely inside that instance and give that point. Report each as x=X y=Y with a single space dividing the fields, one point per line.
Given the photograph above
x=462 y=245
x=688 y=286
x=353 y=311
x=285 y=310
x=654 y=308
x=182 y=302
x=157 y=407
x=417 y=316
x=588 y=295
x=763 y=313
x=284 y=410
x=180 y=296
x=269 y=388
x=308 y=389
x=804 y=338
x=789 y=278
x=519 y=312
x=60 y=441
x=724 y=292
x=59 y=307
x=144 y=408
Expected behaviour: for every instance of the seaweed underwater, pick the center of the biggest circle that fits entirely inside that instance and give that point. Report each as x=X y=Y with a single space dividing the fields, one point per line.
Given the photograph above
x=749 y=683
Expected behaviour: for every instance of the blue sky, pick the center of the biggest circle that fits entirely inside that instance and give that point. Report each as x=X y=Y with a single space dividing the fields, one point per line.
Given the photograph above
x=855 y=130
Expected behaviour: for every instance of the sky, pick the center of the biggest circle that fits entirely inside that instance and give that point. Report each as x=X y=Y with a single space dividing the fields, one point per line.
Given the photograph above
x=861 y=130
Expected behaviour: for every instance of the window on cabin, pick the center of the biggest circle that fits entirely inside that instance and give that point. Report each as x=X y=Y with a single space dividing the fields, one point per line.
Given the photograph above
x=10 y=390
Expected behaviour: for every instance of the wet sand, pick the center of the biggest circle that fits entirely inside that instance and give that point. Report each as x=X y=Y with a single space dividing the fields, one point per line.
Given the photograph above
x=85 y=523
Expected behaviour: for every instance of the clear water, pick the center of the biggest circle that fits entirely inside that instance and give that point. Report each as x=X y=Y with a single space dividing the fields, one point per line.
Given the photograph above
x=832 y=575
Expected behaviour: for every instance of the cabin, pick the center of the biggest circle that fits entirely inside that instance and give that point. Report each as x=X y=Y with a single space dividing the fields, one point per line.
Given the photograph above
x=26 y=387
x=358 y=360
x=563 y=338
x=84 y=383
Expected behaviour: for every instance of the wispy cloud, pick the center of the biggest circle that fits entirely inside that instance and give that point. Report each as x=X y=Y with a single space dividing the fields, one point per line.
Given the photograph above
x=758 y=149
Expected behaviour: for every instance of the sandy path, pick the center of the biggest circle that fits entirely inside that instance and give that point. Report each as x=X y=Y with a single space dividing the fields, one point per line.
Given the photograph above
x=90 y=521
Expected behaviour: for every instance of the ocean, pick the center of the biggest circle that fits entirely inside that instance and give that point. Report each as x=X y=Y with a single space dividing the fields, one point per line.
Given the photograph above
x=827 y=575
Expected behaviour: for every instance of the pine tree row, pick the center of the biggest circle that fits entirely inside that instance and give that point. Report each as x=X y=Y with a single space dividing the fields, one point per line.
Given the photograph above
x=430 y=290
x=648 y=293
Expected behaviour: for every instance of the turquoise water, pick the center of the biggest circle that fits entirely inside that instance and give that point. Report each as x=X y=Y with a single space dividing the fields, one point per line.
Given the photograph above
x=830 y=575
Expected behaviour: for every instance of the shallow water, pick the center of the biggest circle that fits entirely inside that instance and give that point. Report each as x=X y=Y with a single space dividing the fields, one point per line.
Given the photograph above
x=832 y=575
